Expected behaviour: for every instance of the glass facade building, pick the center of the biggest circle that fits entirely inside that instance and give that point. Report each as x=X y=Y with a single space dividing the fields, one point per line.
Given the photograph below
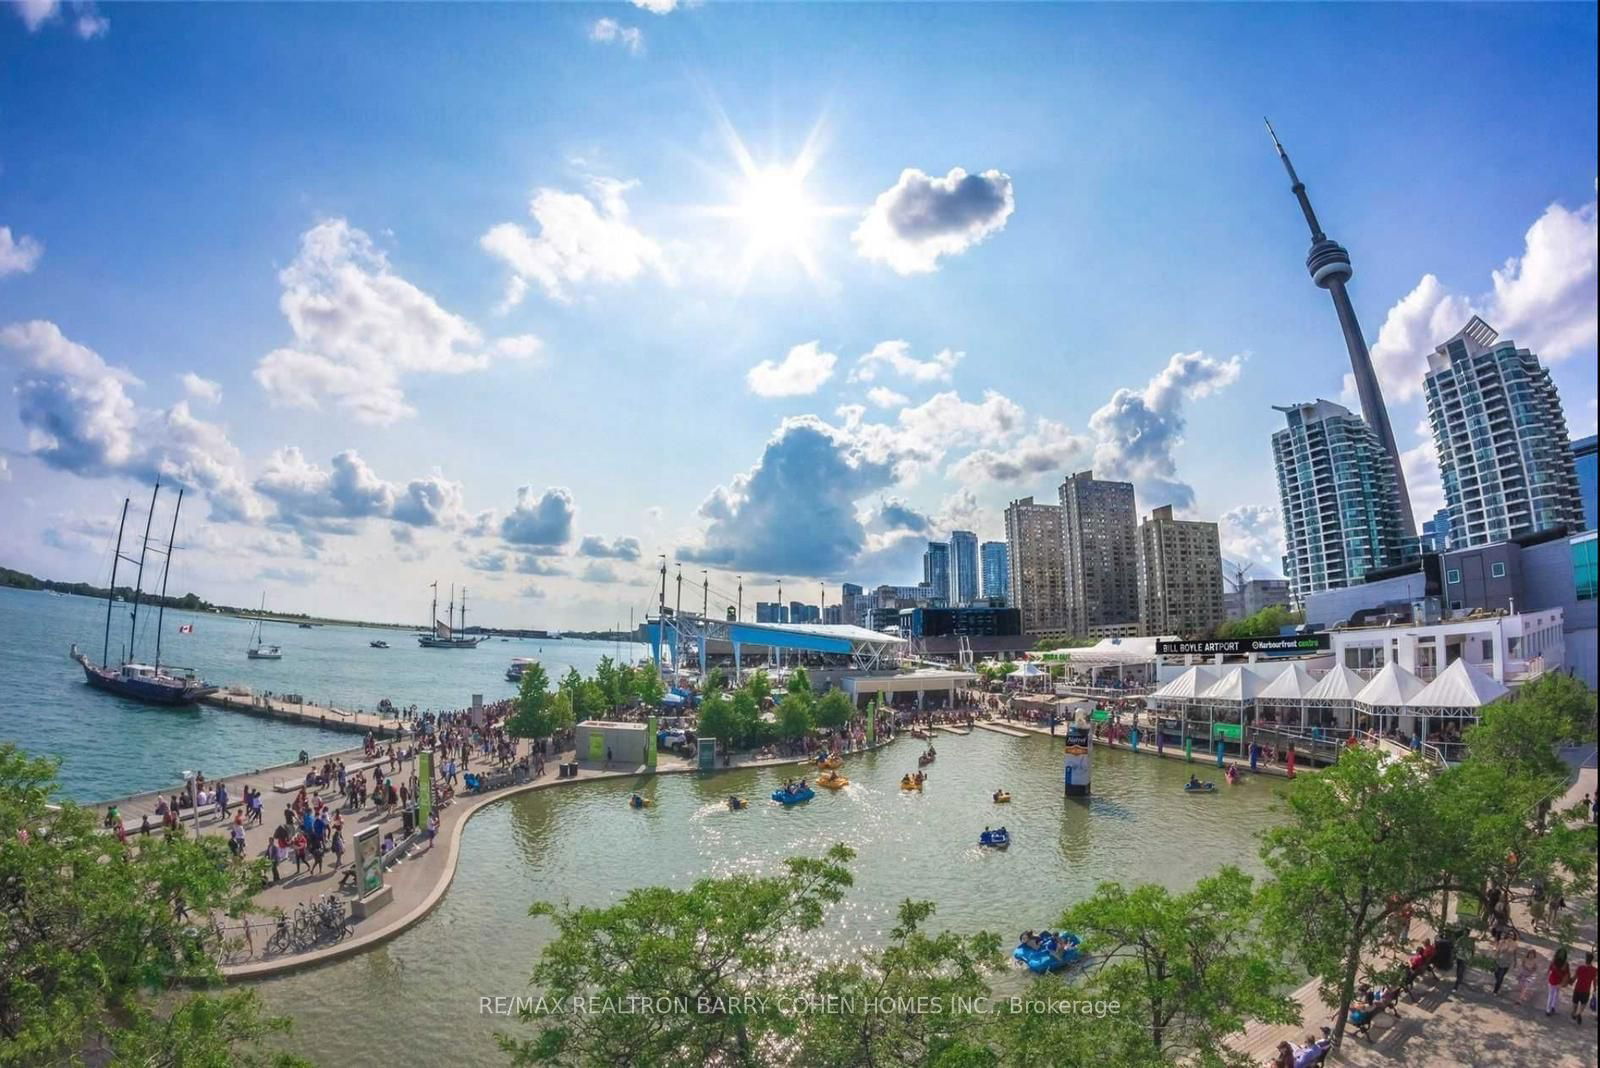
x=963 y=567
x=936 y=571
x=1583 y=462
x=995 y=564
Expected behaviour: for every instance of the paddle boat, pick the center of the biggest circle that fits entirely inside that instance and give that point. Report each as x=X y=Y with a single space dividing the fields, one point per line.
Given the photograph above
x=926 y=758
x=1232 y=775
x=736 y=803
x=793 y=794
x=1195 y=786
x=910 y=782
x=832 y=780
x=1001 y=797
x=827 y=761
x=918 y=732
x=995 y=839
x=1047 y=952
x=639 y=802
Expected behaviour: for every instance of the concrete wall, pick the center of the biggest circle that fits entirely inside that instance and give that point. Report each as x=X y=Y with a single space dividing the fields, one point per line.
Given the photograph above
x=626 y=743
x=1328 y=607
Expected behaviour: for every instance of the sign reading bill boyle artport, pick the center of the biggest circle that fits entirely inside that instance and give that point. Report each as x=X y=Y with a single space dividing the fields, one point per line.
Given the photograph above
x=1292 y=643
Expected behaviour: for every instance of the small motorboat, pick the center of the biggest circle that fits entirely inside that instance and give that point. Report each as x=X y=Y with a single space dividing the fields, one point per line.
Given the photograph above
x=737 y=804
x=1199 y=787
x=639 y=802
x=832 y=780
x=1001 y=797
x=925 y=759
x=790 y=795
x=1053 y=953
x=379 y=644
x=995 y=839
x=907 y=782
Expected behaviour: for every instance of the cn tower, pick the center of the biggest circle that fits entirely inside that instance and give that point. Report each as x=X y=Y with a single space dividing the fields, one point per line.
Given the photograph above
x=1330 y=268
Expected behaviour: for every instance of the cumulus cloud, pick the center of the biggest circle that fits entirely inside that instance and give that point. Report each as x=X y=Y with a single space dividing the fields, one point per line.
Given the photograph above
x=1136 y=431
x=19 y=254
x=1542 y=299
x=617 y=549
x=1253 y=533
x=610 y=31
x=331 y=499
x=528 y=564
x=491 y=561
x=360 y=329
x=883 y=397
x=802 y=371
x=85 y=19
x=1050 y=447
x=657 y=7
x=599 y=571
x=921 y=218
x=896 y=356
x=896 y=514
x=531 y=592
x=80 y=418
x=200 y=389
x=581 y=239
x=539 y=519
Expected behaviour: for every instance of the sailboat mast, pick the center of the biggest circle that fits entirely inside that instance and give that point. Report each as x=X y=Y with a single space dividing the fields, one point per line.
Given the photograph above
x=433 y=613
x=452 y=611
x=144 y=547
x=166 y=568
x=463 y=610
x=111 y=594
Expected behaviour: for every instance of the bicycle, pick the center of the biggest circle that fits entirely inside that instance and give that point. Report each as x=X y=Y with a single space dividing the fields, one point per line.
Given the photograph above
x=282 y=939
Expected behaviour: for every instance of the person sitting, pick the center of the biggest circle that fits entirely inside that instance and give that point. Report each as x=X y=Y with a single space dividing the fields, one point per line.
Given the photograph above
x=1283 y=1058
x=1194 y=782
x=998 y=794
x=1314 y=1052
x=1029 y=940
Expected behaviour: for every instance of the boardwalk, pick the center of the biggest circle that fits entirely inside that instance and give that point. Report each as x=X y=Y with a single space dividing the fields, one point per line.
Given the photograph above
x=314 y=715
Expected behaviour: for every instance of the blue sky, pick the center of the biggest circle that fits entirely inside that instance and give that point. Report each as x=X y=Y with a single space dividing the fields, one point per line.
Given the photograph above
x=324 y=212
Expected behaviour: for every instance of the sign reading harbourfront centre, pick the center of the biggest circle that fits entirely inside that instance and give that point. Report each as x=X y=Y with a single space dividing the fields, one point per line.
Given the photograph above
x=1293 y=643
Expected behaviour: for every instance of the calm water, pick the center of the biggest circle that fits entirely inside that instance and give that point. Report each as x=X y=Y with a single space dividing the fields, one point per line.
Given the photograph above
x=110 y=747
x=584 y=845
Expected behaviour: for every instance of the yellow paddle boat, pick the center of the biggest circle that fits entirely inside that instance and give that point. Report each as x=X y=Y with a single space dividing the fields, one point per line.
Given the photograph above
x=832 y=780
x=737 y=803
x=830 y=763
x=639 y=802
x=908 y=783
x=1001 y=797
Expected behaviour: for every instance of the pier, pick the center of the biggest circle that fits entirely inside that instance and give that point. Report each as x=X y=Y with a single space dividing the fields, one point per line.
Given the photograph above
x=306 y=713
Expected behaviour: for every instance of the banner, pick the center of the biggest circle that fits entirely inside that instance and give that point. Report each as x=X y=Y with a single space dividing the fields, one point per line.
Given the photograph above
x=872 y=723
x=1219 y=753
x=368 y=861
x=424 y=787
x=597 y=747
x=651 y=741
x=1293 y=643
x=1188 y=749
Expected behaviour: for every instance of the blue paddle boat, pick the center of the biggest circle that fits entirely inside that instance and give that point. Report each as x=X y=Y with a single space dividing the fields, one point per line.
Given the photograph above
x=1044 y=958
x=995 y=839
x=790 y=795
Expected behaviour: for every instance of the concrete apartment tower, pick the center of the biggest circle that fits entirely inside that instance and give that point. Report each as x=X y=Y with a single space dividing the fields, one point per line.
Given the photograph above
x=1180 y=576
x=1504 y=455
x=1100 y=556
x=1033 y=542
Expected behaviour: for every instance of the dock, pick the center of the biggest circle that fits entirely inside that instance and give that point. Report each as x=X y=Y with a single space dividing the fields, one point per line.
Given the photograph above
x=997 y=729
x=305 y=713
x=955 y=730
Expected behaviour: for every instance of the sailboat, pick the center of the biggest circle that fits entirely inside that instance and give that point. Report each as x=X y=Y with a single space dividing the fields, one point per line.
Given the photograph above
x=143 y=682
x=258 y=651
x=444 y=635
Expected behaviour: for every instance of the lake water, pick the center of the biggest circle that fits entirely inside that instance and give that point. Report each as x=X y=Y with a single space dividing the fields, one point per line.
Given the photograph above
x=414 y=1000
x=110 y=747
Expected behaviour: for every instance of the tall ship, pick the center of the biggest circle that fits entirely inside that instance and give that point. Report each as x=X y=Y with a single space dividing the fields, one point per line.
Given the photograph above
x=444 y=635
x=152 y=683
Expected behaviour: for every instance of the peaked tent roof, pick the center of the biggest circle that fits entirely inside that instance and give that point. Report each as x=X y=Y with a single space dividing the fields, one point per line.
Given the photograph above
x=1459 y=686
x=1236 y=684
x=1393 y=687
x=1291 y=684
x=1192 y=683
x=1339 y=684
x=1027 y=670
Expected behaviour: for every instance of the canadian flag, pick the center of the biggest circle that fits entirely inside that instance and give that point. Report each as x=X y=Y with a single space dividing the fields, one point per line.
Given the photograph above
x=187 y=628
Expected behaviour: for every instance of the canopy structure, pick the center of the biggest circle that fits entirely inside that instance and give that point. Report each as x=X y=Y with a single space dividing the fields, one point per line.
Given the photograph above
x=1292 y=684
x=1027 y=670
x=1339 y=684
x=1393 y=687
x=1191 y=684
x=1459 y=687
x=1237 y=685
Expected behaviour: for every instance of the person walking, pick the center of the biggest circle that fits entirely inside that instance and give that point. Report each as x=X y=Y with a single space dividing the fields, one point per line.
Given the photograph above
x=1582 y=986
x=275 y=855
x=1557 y=977
x=1462 y=952
x=1527 y=968
x=1505 y=954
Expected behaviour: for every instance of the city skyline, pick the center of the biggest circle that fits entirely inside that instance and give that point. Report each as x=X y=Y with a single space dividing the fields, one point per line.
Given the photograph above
x=527 y=326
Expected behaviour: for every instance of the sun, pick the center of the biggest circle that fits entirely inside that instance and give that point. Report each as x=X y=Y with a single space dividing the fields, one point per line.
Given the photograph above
x=775 y=208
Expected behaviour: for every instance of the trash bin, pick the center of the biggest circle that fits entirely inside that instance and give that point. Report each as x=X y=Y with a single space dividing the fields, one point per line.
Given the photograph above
x=1445 y=957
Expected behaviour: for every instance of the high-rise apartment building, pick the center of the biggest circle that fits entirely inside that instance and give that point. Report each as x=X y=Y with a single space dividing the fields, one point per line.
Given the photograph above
x=963 y=568
x=1436 y=532
x=1504 y=455
x=1100 y=568
x=1584 y=457
x=1180 y=576
x=853 y=604
x=1341 y=503
x=995 y=564
x=1033 y=544
x=936 y=571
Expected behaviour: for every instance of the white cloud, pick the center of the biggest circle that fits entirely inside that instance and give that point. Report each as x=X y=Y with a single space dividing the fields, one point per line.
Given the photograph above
x=581 y=239
x=86 y=20
x=802 y=371
x=896 y=356
x=19 y=254
x=884 y=397
x=618 y=549
x=531 y=592
x=1049 y=448
x=79 y=418
x=528 y=564
x=360 y=329
x=35 y=13
x=920 y=218
x=610 y=31
x=657 y=7
x=1253 y=533
x=332 y=499
x=1543 y=300
x=1137 y=431
x=200 y=389
x=543 y=520
x=5 y=469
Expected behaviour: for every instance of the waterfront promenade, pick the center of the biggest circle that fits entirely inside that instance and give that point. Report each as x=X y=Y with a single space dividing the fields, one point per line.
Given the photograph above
x=277 y=706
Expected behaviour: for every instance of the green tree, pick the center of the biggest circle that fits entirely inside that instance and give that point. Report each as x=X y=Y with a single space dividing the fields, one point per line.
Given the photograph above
x=719 y=720
x=1362 y=839
x=799 y=681
x=747 y=720
x=759 y=686
x=1191 y=969
x=716 y=681
x=1267 y=623
x=532 y=717
x=1522 y=732
x=609 y=677
x=794 y=716
x=90 y=931
x=648 y=687
x=833 y=710
x=724 y=944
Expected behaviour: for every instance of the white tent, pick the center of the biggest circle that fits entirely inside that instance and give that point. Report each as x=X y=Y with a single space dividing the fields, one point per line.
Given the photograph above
x=1189 y=685
x=1236 y=684
x=1393 y=687
x=1291 y=685
x=1459 y=686
x=1027 y=670
x=1339 y=684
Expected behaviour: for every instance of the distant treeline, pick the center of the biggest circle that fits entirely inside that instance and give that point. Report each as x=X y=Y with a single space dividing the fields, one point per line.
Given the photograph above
x=601 y=635
x=21 y=580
